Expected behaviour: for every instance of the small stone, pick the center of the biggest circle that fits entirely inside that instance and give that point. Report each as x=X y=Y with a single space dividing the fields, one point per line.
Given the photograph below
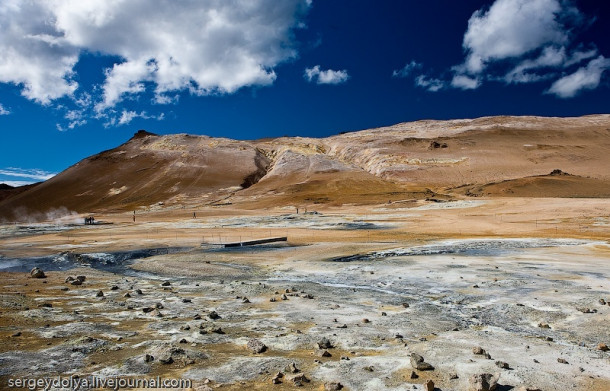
x=166 y=283
x=65 y=289
x=17 y=334
x=213 y=315
x=197 y=317
x=384 y=314
x=146 y=310
x=127 y=295
x=536 y=361
x=81 y=278
x=429 y=385
x=343 y=326
x=114 y=288
x=345 y=358
x=603 y=347
x=186 y=300
x=166 y=360
x=99 y=294
x=323 y=353
x=298 y=379
x=602 y=301
x=483 y=382
x=369 y=369
x=76 y=282
x=324 y=343
x=475 y=286
x=183 y=340
x=413 y=375
x=405 y=305
x=284 y=297
x=37 y=273
x=365 y=320
x=148 y=358
x=478 y=350
x=544 y=325
x=418 y=363
x=562 y=361
x=185 y=327
x=159 y=306
x=139 y=291
x=333 y=386
x=292 y=368
x=69 y=279
x=502 y=364
x=256 y=346
x=245 y=300
x=453 y=376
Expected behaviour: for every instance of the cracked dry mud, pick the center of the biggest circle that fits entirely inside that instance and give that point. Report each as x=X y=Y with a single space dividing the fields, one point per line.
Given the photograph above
x=526 y=302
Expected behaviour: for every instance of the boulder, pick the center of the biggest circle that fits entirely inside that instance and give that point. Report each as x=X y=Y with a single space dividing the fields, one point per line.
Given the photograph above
x=37 y=273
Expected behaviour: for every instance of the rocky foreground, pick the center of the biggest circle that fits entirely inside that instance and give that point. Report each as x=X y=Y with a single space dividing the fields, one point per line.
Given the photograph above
x=493 y=314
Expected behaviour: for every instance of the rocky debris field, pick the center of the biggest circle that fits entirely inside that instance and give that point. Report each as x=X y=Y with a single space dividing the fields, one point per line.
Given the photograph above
x=525 y=317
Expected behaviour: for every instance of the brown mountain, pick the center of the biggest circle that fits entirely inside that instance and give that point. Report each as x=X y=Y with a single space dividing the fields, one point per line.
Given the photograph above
x=490 y=156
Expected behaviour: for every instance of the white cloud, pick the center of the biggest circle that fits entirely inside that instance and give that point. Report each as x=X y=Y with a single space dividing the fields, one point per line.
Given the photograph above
x=465 y=82
x=585 y=78
x=407 y=69
x=127 y=116
x=36 y=174
x=429 y=83
x=4 y=111
x=328 y=76
x=512 y=28
x=204 y=47
x=16 y=183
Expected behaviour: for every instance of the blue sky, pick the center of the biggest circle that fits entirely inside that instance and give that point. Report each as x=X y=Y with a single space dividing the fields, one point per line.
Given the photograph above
x=79 y=77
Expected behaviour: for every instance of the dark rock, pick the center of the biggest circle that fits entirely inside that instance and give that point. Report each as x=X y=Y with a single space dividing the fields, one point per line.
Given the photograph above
x=325 y=343
x=99 y=294
x=256 y=346
x=166 y=283
x=429 y=385
x=213 y=315
x=149 y=358
x=603 y=347
x=81 y=278
x=37 y=273
x=502 y=364
x=114 y=288
x=76 y=282
x=562 y=361
x=418 y=363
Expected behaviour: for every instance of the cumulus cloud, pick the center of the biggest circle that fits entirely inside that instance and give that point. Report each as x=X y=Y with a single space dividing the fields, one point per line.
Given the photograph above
x=512 y=28
x=328 y=76
x=585 y=78
x=127 y=116
x=407 y=69
x=4 y=111
x=203 y=47
x=21 y=173
x=527 y=41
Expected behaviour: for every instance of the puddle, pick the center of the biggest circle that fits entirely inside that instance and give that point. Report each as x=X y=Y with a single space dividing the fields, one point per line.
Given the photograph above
x=469 y=247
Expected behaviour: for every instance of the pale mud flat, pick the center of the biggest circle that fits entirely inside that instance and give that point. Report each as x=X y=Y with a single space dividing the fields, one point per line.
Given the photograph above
x=372 y=282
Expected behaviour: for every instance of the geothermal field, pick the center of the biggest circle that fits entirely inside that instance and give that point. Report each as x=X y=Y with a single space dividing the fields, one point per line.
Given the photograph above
x=433 y=255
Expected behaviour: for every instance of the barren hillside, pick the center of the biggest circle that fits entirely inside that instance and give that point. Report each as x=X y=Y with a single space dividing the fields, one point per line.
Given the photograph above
x=491 y=156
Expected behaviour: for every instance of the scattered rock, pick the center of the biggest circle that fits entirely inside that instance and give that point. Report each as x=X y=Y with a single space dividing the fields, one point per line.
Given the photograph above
x=343 y=326
x=166 y=360
x=245 y=300
x=562 y=361
x=166 y=283
x=418 y=363
x=99 y=294
x=292 y=368
x=587 y=310
x=139 y=291
x=159 y=306
x=127 y=295
x=502 y=364
x=323 y=353
x=325 y=343
x=213 y=315
x=276 y=378
x=186 y=300
x=256 y=346
x=17 y=334
x=544 y=325
x=405 y=305
x=429 y=385
x=146 y=310
x=69 y=279
x=273 y=299
x=524 y=388
x=81 y=278
x=332 y=386
x=76 y=282
x=453 y=376
x=114 y=288
x=603 y=347
x=365 y=320
x=37 y=273
x=298 y=379
x=602 y=301
x=483 y=382
x=478 y=350
x=413 y=375
x=284 y=297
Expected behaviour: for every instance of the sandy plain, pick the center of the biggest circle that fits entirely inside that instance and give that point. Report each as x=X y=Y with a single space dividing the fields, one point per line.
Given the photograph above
x=522 y=278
